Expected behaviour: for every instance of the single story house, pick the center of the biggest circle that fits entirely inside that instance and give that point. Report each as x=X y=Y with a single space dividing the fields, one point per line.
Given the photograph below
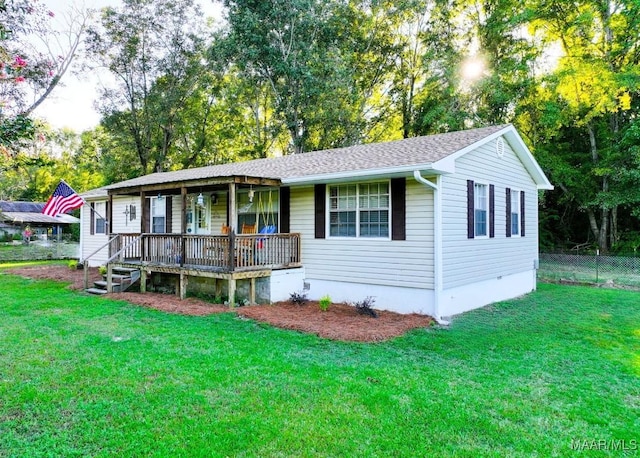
x=15 y=216
x=438 y=225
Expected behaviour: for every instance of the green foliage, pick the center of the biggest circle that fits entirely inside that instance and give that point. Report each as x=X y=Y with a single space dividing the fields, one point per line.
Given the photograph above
x=102 y=270
x=299 y=297
x=14 y=130
x=73 y=264
x=154 y=49
x=324 y=302
x=365 y=307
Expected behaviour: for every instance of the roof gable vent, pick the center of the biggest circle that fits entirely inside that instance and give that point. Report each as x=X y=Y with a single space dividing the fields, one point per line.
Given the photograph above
x=500 y=147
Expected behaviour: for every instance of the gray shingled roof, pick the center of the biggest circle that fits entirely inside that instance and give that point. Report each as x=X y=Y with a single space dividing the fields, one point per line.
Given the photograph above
x=416 y=151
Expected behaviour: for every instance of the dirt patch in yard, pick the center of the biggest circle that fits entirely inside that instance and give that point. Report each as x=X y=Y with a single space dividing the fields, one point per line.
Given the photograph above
x=340 y=322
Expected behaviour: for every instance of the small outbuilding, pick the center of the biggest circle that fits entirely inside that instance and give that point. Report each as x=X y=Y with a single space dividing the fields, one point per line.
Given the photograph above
x=18 y=217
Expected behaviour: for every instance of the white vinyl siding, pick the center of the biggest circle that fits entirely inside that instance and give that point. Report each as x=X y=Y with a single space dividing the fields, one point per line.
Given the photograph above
x=90 y=243
x=465 y=260
x=365 y=260
x=127 y=215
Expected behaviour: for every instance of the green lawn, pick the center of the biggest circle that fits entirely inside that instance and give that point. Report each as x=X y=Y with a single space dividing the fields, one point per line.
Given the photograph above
x=88 y=376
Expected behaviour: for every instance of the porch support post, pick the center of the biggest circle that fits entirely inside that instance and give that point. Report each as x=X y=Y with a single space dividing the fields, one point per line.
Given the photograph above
x=109 y=216
x=143 y=222
x=144 y=212
x=232 y=291
x=183 y=225
x=143 y=280
x=252 y=290
x=110 y=278
x=233 y=212
x=184 y=281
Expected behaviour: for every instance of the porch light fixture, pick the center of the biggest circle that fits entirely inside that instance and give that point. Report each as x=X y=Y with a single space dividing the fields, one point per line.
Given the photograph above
x=251 y=193
x=214 y=199
x=160 y=197
x=200 y=200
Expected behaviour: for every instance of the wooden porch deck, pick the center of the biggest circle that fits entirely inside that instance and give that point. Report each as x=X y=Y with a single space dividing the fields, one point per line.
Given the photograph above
x=208 y=253
x=221 y=257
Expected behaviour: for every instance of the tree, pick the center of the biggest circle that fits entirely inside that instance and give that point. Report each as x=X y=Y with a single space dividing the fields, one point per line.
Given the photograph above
x=325 y=63
x=580 y=115
x=34 y=57
x=154 y=51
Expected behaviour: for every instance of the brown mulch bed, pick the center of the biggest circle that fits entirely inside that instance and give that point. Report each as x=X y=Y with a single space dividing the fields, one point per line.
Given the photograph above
x=340 y=322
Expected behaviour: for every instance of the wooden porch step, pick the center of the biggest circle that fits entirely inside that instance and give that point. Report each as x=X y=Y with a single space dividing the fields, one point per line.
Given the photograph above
x=118 y=277
x=124 y=270
x=103 y=284
x=96 y=291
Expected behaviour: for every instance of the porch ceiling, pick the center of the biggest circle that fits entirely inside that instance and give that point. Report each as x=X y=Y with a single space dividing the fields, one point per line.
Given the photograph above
x=157 y=182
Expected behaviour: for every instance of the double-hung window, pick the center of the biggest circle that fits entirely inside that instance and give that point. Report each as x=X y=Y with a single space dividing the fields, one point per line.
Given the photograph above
x=99 y=217
x=158 y=215
x=480 y=210
x=360 y=210
x=515 y=213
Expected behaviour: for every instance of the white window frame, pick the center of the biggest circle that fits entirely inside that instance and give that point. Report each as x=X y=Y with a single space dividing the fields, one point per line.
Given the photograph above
x=154 y=206
x=99 y=217
x=358 y=208
x=515 y=210
x=476 y=202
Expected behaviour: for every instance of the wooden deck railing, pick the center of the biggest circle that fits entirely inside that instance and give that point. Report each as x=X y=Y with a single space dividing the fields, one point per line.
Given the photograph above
x=211 y=252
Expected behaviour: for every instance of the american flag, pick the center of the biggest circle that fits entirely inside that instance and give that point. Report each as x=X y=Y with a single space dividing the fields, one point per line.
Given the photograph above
x=62 y=200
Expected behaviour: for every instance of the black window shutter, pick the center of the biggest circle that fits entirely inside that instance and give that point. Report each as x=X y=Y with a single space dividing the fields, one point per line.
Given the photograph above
x=470 y=210
x=320 y=198
x=522 y=213
x=92 y=221
x=398 y=209
x=169 y=214
x=492 y=210
x=108 y=218
x=285 y=215
x=508 y=207
x=146 y=216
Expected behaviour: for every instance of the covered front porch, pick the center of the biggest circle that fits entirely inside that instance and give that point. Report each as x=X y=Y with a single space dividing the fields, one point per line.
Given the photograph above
x=224 y=228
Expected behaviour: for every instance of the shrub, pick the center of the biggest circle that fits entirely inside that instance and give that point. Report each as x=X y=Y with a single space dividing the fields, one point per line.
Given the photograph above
x=73 y=264
x=102 y=270
x=325 y=302
x=365 y=307
x=298 y=298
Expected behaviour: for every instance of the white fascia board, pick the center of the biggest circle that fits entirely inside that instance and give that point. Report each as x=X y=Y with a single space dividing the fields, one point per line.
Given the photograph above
x=370 y=173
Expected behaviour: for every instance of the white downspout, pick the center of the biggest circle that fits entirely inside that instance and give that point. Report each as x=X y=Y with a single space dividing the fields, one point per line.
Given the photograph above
x=437 y=242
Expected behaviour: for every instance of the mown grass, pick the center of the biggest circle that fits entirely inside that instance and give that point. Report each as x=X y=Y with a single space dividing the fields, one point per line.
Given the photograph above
x=88 y=376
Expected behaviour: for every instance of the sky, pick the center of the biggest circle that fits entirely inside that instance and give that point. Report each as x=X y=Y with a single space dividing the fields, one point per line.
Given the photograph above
x=71 y=105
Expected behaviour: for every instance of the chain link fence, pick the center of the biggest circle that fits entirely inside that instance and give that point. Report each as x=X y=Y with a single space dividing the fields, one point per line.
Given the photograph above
x=39 y=250
x=582 y=268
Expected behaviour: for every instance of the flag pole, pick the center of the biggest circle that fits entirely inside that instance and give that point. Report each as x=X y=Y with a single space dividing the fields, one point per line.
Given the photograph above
x=93 y=210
